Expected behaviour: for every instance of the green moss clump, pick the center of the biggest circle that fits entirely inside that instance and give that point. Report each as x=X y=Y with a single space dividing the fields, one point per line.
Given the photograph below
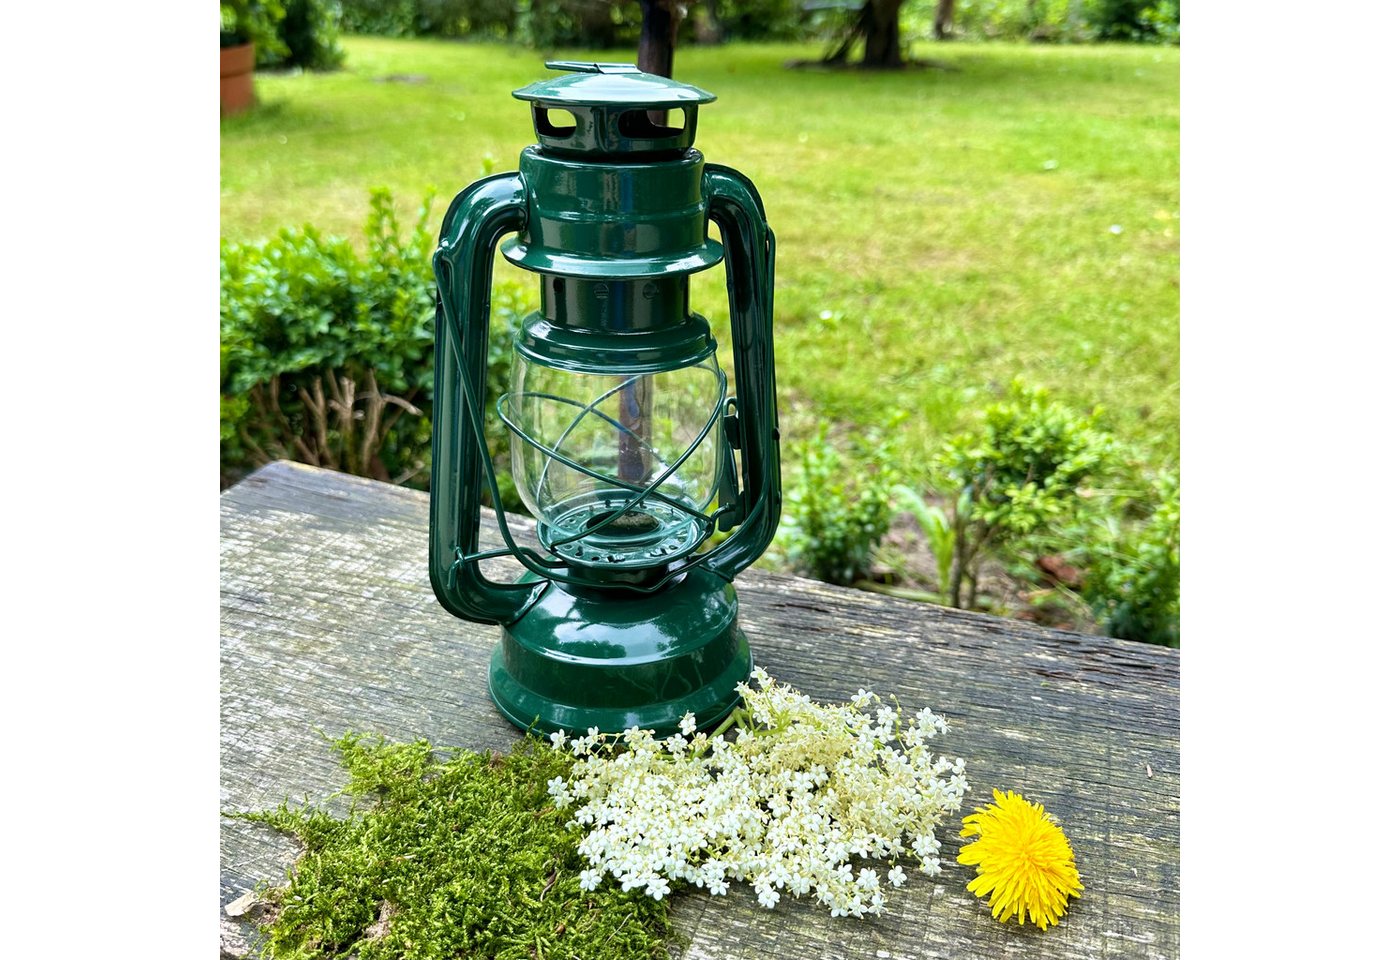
x=462 y=857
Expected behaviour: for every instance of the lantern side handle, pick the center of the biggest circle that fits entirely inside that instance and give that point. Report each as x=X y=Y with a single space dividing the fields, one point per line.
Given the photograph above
x=734 y=205
x=475 y=222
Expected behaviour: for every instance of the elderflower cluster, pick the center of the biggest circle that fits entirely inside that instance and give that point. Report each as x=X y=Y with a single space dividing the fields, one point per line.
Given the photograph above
x=801 y=790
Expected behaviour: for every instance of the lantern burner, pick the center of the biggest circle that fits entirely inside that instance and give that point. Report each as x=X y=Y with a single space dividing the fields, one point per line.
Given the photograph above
x=589 y=531
x=629 y=524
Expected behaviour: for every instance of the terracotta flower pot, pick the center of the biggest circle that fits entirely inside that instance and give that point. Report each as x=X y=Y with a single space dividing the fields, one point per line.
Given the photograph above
x=235 y=78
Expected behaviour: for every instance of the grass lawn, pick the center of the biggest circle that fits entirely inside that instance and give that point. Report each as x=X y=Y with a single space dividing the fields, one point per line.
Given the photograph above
x=1014 y=215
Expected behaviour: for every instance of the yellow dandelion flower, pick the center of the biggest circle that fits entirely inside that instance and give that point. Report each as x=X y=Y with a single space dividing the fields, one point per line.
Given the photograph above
x=1023 y=860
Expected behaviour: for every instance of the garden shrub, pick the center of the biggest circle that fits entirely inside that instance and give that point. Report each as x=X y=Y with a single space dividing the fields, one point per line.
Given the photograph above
x=761 y=19
x=838 y=506
x=326 y=355
x=383 y=18
x=285 y=33
x=546 y=24
x=1132 y=571
x=1145 y=21
x=1063 y=21
x=1022 y=471
x=444 y=18
x=255 y=22
x=538 y=23
x=311 y=33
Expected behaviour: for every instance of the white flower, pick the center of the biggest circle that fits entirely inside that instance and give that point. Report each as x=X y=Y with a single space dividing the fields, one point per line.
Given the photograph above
x=559 y=792
x=799 y=790
x=557 y=739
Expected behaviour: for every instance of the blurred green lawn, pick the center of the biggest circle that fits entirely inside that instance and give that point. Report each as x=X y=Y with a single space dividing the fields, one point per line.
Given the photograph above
x=1013 y=215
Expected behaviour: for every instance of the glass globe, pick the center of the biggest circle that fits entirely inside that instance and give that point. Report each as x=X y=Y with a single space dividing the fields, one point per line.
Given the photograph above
x=620 y=470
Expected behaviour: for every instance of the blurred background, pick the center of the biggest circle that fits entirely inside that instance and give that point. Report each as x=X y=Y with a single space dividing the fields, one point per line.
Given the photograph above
x=977 y=304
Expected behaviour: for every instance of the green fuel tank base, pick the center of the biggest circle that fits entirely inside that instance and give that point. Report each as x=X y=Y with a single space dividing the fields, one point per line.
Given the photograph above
x=583 y=658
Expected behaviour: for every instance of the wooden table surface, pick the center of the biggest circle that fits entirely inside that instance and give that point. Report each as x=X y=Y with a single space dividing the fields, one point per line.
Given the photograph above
x=328 y=624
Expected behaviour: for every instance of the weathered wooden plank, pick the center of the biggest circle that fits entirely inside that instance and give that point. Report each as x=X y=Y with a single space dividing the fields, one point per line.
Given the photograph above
x=328 y=624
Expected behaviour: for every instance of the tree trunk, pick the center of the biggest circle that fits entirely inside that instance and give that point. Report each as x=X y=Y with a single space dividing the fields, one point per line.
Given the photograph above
x=955 y=589
x=709 y=29
x=882 y=34
x=656 y=52
x=943 y=20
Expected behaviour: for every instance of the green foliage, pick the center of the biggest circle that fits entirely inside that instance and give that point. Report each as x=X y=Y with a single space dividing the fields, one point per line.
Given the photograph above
x=1132 y=571
x=444 y=18
x=539 y=23
x=285 y=33
x=1016 y=476
x=311 y=31
x=472 y=18
x=1061 y=21
x=1148 y=21
x=255 y=22
x=326 y=356
x=939 y=533
x=838 y=506
x=458 y=856
x=385 y=18
x=546 y=24
x=762 y=19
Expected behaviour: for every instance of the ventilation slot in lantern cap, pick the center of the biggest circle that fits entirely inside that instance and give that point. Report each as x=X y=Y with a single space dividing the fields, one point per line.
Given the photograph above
x=640 y=124
x=617 y=110
x=555 y=123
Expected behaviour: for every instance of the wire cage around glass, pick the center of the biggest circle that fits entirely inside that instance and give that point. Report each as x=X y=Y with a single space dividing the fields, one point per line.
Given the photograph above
x=622 y=470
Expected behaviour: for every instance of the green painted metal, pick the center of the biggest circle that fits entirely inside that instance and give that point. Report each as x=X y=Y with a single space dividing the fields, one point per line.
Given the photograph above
x=610 y=660
x=609 y=85
x=615 y=306
x=733 y=203
x=613 y=110
x=474 y=223
x=613 y=221
x=591 y=350
x=613 y=215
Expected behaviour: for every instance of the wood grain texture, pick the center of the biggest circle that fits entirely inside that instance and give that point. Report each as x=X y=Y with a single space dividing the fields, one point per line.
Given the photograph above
x=328 y=624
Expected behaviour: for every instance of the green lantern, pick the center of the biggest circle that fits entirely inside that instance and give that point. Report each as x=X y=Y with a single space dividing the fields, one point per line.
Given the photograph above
x=624 y=429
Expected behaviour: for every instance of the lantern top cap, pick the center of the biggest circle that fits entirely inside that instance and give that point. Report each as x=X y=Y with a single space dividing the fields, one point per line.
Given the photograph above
x=610 y=85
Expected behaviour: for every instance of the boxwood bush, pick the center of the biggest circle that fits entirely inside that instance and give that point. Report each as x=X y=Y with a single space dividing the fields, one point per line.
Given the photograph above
x=838 y=505
x=1132 y=569
x=326 y=354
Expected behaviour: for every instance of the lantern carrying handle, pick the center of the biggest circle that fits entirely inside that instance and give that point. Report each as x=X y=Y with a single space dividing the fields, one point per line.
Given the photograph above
x=475 y=222
x=734 y=205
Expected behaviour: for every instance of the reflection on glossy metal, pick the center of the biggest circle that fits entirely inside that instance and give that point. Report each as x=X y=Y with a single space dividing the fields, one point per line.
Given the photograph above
x=624 y=618
x=612 y=660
